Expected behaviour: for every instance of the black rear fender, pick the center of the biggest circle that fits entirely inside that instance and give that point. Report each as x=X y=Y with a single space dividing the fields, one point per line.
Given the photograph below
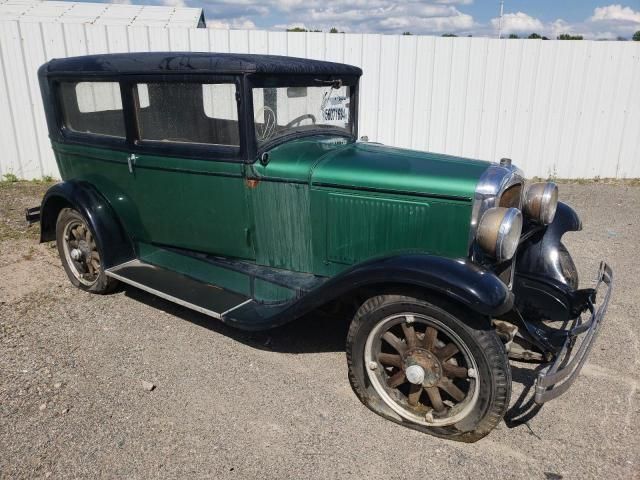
x=113 y=242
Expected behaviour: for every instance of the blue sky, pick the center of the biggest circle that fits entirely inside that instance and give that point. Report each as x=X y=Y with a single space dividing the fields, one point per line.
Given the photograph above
x=593 y=19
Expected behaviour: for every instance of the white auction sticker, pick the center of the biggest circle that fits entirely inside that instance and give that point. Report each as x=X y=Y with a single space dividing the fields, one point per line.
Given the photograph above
x=335 y=110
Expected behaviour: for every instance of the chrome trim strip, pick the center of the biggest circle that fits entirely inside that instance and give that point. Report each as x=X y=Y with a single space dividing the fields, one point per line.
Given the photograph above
x=237 y=306
x=162 y=294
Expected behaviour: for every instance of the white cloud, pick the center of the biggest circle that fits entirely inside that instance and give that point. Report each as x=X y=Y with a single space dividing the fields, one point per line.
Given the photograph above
x=458 y=2
x=615 y=20
x=453 y=23
x=288 y=26
x=518 y=22
x=615 y=13
x=394 y=16
x=608 y=22
x=235 y=23
x=383 y=16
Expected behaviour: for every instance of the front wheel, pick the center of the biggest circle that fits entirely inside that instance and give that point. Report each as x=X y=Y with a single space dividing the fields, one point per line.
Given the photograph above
x=432 y=367
x=80 y=254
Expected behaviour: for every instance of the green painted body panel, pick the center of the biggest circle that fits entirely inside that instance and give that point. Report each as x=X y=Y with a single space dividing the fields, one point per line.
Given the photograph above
x=364 y=200
x=381 y=225
x=186 y=203
x=375 y=166
x=282 y=223
x=296 y=159
x=320 y=205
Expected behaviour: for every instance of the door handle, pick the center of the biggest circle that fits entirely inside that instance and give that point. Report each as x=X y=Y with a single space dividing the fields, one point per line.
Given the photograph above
x=131 y=161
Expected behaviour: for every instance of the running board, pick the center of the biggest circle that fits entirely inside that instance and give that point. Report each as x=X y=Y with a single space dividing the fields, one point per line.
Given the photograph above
x=202 y=297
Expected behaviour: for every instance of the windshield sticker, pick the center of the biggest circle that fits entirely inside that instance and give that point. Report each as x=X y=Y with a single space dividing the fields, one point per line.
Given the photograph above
x=335 y=110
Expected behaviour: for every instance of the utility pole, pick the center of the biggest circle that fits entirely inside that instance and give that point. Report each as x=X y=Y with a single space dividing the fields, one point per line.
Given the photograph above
x=500 y=22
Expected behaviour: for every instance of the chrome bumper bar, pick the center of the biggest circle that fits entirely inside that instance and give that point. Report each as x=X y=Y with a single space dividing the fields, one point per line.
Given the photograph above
x=556 y=379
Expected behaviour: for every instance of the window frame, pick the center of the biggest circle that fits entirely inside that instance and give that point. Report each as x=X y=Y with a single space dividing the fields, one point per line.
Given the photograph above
x=275 y=81
x=132 y=142
x=86 y=138
x=184 y=149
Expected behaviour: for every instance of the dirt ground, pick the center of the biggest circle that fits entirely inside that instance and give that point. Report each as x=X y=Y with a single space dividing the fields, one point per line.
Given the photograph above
x=228 y=404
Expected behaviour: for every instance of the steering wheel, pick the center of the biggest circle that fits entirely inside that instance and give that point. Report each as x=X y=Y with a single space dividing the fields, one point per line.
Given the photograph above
x=268 y=128
x=296 y=121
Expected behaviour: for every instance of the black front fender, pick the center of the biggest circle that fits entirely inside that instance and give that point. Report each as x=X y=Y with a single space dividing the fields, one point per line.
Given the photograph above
x=114 y=243
x=459 y=280
x=545 y=255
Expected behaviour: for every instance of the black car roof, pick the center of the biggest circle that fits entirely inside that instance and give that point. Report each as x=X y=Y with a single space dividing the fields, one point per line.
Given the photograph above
x=194 y=62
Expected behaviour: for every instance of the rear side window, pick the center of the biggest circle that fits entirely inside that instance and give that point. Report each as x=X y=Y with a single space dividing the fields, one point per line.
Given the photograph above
x=200 y=113
x=92 y=108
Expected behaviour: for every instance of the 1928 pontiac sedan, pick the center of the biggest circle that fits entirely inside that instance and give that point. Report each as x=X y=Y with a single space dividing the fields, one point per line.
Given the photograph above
x=235 y=185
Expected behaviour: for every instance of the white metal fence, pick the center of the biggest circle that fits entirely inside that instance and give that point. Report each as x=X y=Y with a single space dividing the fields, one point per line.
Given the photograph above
x=557 y=108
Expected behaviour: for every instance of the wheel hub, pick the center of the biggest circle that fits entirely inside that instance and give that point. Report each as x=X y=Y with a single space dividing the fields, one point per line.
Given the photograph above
x=422 y=367
x=81 y=252
x=85 y=248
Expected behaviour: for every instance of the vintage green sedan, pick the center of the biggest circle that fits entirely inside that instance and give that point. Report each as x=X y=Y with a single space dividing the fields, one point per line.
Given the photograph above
x=235 y=185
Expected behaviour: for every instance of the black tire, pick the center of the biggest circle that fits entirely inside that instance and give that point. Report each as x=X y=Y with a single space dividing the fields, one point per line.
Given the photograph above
x=491 y=384
x=98 y=281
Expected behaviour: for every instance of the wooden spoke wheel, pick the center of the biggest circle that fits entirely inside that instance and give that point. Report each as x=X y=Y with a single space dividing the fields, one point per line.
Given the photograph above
x=421 y=369
x=433 y=367
x=80 y=253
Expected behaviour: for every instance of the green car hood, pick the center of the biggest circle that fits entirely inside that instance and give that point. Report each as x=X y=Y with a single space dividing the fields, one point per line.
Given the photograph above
x=377 y=167
x=329 y=161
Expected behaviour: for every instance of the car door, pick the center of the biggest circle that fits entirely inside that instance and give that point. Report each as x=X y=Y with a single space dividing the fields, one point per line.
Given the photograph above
x=186 y=168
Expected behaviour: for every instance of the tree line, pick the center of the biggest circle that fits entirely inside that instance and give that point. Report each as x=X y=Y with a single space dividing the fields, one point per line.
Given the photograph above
x=564 y=36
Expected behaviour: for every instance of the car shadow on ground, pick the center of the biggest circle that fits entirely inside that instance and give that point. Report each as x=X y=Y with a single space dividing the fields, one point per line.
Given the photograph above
x=320 y=332
x=313 y=333
x=523 y=408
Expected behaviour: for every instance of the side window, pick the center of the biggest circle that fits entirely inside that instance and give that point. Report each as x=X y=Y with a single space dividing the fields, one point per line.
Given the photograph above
x=92 y=107
x=188 y=113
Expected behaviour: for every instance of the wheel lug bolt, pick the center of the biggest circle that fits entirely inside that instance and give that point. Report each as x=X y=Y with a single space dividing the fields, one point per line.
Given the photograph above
x=373 y=365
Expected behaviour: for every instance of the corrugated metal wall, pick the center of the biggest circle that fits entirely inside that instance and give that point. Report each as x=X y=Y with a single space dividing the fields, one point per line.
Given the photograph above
x=557 y=108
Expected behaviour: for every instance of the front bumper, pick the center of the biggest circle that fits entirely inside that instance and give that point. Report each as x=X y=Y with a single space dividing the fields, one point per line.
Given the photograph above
x=558 y=376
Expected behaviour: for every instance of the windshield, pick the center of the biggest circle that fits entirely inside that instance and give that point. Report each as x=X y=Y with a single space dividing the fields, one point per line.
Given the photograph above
x=284 y=110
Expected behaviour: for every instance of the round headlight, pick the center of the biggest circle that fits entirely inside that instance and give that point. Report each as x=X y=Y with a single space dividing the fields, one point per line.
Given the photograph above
x=541 y=201
x=499 y=232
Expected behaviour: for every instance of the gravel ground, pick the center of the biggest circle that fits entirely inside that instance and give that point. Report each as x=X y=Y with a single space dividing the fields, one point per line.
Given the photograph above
x=228 y=404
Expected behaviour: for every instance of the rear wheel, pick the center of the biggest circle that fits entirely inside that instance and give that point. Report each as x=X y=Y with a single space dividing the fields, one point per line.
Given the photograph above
x=434 y=368
x=80 y=254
